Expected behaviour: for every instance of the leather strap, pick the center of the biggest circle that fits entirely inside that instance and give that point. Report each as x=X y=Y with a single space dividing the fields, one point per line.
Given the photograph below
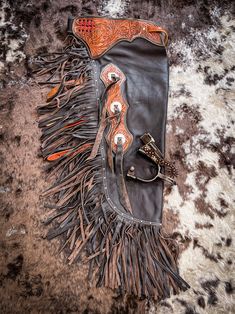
x=103 y=121
x=151 y=150
x=124 y=199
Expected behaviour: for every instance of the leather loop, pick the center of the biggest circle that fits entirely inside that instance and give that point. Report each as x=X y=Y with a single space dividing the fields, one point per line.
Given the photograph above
x=161 y=31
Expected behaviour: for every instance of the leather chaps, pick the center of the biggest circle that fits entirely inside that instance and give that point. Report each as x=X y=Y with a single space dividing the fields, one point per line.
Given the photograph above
x=103 y=134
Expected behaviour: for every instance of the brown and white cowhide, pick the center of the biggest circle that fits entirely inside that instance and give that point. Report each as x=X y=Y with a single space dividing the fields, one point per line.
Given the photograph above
x=198 y=212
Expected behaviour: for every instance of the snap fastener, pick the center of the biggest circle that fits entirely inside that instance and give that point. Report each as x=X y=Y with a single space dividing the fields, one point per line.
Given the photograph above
x=116 y=105
x=119 y=135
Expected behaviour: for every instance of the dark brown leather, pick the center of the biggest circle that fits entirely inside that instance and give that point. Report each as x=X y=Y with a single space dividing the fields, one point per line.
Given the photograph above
x=145 y=90
x=114 y=219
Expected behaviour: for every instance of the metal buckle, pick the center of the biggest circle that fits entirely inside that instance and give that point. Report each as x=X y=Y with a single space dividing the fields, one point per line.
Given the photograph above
x=147 y=138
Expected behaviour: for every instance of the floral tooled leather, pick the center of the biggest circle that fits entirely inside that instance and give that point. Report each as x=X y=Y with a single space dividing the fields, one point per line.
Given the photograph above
x=100 y=34
x=115 y=96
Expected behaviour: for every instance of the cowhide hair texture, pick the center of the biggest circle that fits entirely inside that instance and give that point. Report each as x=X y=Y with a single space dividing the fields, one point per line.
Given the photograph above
x=198 y=211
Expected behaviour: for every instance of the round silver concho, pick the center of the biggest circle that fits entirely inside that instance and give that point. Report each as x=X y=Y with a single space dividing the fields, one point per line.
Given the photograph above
x=111 y=75
x=116 y=105
x=119 y=135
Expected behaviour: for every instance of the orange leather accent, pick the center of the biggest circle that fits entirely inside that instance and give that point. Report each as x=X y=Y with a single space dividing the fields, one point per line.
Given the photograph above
x=81 y=149
x=115 y=95
x=52 y=93
x=100 y=34
x=67 y=85
x=56 y=156
x=74 y=124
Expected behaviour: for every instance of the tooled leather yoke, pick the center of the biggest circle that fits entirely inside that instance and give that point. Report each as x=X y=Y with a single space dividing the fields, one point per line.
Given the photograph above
x=100 y=34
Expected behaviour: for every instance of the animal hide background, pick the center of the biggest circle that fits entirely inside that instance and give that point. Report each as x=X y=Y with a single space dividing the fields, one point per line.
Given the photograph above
x=198 y=212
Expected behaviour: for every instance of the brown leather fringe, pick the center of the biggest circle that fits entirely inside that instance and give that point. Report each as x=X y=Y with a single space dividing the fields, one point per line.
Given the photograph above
x=133 y=258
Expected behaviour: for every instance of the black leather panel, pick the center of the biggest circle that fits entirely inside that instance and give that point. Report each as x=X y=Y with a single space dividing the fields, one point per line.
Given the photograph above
x=146 y=90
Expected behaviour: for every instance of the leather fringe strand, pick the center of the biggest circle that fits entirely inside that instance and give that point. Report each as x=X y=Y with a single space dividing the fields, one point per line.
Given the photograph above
x=133 y=258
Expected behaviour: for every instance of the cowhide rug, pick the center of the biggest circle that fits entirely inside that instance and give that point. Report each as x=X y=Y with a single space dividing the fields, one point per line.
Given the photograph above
x=34 y=278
